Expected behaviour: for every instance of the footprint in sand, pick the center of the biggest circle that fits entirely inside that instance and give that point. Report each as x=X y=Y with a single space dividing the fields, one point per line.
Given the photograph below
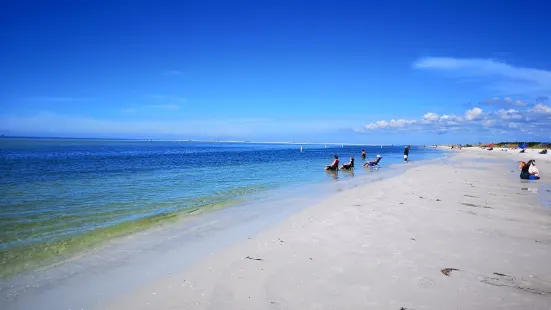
x=529 y=284
x=425 y=283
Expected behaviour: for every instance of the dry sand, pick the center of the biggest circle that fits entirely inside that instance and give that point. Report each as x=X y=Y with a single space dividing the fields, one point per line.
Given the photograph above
x=386 y=245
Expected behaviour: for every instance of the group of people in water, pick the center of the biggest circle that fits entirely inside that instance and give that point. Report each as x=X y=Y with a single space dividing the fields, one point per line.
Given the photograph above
x=529 y=171
x=334 y=166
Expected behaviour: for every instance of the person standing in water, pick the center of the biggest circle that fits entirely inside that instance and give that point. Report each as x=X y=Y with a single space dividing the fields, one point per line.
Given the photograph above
x=363 y=154
x=406 y=154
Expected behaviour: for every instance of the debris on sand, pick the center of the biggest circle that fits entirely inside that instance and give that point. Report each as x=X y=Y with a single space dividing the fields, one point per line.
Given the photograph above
x=252 y=258
x=475 y=206
x=446 y=271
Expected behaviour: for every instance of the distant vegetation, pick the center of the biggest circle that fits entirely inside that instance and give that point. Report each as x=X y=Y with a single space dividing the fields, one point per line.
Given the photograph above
x=532 y=145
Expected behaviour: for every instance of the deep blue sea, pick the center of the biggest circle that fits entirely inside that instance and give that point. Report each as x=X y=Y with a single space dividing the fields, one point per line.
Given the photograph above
x=60 y=196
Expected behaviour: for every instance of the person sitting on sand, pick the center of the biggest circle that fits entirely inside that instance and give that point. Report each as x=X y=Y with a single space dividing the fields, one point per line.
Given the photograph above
x=349 y=165
x=529 y=174
x=335 y=165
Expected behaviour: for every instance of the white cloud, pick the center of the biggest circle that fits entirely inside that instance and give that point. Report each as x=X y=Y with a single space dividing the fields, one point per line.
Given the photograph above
x=506 y=77
x=541 y=108
x=377 y=125
x=477 y=121
x=399 y=123
x=431 y=117
x=473 y=113
x=509 y=114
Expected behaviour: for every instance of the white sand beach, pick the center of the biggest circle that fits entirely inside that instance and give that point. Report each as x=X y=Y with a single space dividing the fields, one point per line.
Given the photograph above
x=462 y=234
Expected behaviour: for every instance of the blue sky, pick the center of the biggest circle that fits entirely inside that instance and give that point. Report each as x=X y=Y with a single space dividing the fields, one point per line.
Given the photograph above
x=344 y=71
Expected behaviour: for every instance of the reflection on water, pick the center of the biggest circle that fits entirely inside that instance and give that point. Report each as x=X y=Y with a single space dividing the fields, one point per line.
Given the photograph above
x=332 y=174
x=349 y=172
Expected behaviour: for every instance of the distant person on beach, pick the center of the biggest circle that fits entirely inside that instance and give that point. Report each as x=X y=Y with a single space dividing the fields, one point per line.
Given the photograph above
x=406 y=154
x=529 y=171
x=349 y=165
x=363 y=154
x=334 y=165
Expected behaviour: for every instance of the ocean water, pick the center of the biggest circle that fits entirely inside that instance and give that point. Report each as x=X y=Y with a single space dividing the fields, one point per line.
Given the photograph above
x=61 y=196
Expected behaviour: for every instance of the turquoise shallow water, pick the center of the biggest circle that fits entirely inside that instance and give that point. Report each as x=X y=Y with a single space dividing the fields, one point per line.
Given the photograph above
x=60 y=196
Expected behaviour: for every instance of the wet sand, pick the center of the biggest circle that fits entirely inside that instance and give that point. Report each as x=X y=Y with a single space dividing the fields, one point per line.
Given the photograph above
x=465 y=233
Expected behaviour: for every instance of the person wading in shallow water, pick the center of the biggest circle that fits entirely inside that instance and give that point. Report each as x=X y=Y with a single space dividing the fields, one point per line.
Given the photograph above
x=406 y=154
x=334 y=165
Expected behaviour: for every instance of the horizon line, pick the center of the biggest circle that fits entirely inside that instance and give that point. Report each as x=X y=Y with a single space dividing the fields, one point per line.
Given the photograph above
x=199 y=140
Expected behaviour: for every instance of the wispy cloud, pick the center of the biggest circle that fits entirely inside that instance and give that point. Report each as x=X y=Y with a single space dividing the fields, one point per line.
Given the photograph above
x=129 y=110
x=158 y=102
x=174 y=72
x=56 y=99
x=173 y=98
x=169 y=107
x=504 y=102
x=54 y=123
x=504 y=77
